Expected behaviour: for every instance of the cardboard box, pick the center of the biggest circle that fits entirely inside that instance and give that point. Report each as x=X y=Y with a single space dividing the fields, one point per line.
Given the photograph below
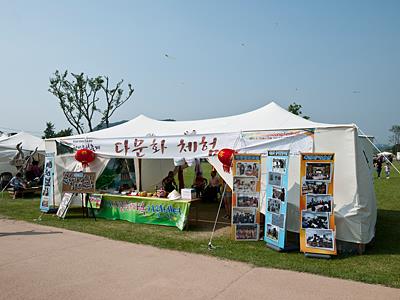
x=188 y=194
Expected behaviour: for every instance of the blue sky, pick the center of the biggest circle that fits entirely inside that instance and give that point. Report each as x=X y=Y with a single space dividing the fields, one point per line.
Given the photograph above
x=339 y=59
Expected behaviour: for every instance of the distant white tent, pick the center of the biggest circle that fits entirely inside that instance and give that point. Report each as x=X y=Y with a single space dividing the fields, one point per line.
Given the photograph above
x=269 y=127
x=8 y=149
x=385 y=153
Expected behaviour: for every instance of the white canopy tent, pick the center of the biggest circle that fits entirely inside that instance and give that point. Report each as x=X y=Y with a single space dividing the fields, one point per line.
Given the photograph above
x=8 y=149
x=155 y=143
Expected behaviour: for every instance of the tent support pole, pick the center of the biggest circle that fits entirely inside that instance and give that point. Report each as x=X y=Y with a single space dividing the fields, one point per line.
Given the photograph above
x=210 y=245
x=369 y=140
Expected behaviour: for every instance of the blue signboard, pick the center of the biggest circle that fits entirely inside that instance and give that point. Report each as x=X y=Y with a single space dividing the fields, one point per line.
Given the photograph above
x=276 y=193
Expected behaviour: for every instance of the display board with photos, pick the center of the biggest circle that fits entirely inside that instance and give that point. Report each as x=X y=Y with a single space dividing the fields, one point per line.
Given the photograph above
x=276 y=193
x=46 y=199
x=246 y=197
x=317 y=232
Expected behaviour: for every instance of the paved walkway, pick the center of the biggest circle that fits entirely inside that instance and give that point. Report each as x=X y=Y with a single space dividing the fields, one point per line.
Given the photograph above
x=38 y=262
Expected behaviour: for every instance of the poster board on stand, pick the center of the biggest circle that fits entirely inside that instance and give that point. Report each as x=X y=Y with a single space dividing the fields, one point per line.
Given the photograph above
x=246 y=197
x=317 y=230
x=276 y=203
x=64 y=205
x=47 y=199
x=79 y=182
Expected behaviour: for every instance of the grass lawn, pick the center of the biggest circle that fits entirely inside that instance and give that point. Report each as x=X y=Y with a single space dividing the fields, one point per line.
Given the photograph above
x=379 y=265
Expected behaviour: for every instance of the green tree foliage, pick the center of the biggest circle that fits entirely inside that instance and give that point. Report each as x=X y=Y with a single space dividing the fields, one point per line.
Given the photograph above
x=64 y=132
x=49 y=132
x=80 y=96
x=395 y=138
x=295 y=108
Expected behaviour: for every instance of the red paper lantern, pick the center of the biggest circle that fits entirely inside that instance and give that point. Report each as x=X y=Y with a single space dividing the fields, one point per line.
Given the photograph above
x=225 y=156
x=85 y=156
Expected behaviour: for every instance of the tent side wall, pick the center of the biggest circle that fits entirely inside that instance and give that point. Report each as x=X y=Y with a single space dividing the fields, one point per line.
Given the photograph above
x=366 y=208
x=354 y=197
x=6 y=156
x=153 y=171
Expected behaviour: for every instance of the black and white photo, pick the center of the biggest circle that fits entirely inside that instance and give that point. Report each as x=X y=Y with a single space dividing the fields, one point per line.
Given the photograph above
x=244 y=215
x=320 y=239
x=247 y=232
x=251 y=169
x=274 y=205
x=319 y=203
x=318 y=171
x=278 y=220
x=242 y=184
x=279 y=165
x=275 y=178
x=314 y=220
x=314 y=187
x=248 y=199
x=278 y=193
x=272 y=232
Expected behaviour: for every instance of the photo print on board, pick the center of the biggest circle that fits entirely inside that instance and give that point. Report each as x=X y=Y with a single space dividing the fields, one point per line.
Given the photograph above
x=315 y=220
x=318 y=171
x=250 y=169
x=279 y=193
x=320 y=239
x=314 y=187
x=278 y=220
x=274 y=206
x=247 y=232
x=275 y=178
x=244 y=215
x=279 y=165
x=242 y=184
x=319 y=203
x=272 y=232
x=248 y=199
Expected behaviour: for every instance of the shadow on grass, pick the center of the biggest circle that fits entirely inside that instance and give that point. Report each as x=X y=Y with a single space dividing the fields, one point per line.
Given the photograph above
x=387 y=235
x=31 y=232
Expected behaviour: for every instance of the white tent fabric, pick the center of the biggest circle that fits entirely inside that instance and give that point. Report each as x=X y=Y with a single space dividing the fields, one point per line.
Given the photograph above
x=28 y=142
x=8 y=148
x=269 y=117
x=270 y=127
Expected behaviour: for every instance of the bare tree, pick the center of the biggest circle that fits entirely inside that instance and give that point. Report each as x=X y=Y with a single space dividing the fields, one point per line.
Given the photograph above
x=114 y=98
x=79 y=98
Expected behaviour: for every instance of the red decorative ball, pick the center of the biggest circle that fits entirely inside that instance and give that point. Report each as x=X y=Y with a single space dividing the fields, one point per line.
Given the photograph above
x=85 y=156
x=225 y=156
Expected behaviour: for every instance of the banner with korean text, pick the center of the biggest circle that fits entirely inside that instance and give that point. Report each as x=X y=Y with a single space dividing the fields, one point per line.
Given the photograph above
x=187 y=146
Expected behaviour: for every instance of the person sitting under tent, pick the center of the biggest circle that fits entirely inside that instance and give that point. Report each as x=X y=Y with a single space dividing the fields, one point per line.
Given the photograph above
x=213 y=188
x=33 y=172
x=169 y=183
x=199 y=184
x=18 y=184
